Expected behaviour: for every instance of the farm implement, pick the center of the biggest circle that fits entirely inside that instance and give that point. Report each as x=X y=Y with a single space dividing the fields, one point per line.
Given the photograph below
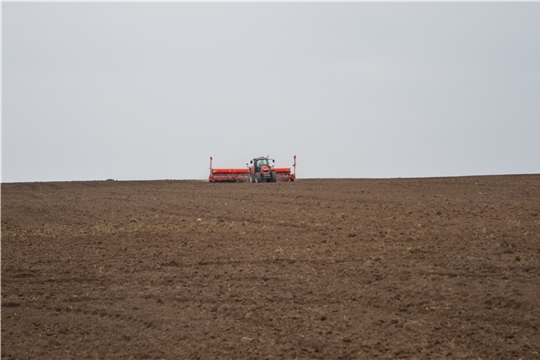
x=258 y=170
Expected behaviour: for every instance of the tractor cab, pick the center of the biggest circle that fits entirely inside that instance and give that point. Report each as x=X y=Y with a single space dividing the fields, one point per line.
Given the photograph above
x=260 y=162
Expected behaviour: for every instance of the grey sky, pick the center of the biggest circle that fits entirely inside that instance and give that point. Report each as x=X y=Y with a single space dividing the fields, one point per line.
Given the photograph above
x=152 y=90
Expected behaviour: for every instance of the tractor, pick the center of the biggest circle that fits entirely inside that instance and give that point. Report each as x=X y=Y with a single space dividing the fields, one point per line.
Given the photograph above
x=260 y=170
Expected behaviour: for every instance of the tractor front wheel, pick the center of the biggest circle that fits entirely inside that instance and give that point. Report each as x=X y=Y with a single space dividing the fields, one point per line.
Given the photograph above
x=257 y=177
x=273 y=176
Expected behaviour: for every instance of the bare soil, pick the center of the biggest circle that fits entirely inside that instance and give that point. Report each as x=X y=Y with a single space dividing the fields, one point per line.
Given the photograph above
x=315 y=269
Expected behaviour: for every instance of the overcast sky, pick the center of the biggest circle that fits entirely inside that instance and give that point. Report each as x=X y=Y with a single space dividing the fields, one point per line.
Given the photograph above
x=355 y=90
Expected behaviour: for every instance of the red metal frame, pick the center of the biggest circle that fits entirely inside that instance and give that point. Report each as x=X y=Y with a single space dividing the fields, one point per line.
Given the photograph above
x=242 y=174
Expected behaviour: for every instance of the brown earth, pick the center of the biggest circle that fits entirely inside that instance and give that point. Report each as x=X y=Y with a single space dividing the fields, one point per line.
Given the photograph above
x=316 y=269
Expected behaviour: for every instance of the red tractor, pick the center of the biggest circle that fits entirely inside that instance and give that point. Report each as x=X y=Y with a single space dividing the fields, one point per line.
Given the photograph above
x=260 y=170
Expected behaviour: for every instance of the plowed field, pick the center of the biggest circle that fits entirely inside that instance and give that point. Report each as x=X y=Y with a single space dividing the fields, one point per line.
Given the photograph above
x=315 y=269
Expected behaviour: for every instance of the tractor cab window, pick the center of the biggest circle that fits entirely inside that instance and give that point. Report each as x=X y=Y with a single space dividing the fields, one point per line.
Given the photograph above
x=262 y=162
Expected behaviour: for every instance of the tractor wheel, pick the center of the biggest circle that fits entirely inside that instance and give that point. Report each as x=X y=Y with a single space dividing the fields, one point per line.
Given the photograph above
x=257 y=177
x=274 y=176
